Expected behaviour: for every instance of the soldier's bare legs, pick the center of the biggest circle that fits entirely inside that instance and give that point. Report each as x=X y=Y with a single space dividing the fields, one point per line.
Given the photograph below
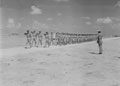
x=40 y=42
x=34 y=42
x=28 y=43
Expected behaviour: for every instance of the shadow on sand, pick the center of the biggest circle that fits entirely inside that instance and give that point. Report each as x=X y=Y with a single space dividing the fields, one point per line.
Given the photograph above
x=93 y=53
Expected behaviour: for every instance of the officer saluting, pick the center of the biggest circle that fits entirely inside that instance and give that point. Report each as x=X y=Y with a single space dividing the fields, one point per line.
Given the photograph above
x=99 y=41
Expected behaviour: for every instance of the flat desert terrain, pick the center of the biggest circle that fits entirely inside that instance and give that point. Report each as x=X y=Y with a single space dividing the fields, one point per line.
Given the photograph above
x=71 y=65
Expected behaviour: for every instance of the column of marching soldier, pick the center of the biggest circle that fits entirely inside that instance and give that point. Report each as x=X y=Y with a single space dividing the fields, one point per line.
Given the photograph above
x=37 y=39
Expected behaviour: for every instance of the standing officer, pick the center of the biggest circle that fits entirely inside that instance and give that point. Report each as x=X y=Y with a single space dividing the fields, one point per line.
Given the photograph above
x=99 y=41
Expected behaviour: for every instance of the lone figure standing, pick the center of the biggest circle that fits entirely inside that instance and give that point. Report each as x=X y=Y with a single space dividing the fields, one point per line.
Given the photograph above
x=99 y=41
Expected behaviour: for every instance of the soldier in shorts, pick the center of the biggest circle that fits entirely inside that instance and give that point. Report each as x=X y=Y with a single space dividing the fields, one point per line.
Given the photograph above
x=40 y=38
x=53 y=40
x=57 y=38
x=46 y=35
x=29 y=38
x=34 y=38
x=99 y=41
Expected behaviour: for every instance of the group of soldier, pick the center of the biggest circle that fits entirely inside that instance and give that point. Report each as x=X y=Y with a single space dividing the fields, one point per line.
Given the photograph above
x=38 y=39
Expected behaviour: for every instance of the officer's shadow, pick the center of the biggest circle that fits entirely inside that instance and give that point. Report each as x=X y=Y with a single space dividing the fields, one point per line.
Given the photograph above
x=93 y=53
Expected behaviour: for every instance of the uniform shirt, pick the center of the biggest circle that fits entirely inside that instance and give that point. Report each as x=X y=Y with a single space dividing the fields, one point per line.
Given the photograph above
x=40 y=36
x=28 y=36
x=99 y=39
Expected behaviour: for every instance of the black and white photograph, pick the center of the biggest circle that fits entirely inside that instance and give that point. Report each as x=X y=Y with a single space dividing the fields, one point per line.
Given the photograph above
x=59 y=42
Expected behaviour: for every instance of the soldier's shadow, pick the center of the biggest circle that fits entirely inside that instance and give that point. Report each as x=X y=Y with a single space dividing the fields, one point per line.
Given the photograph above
x=27 y=47
x=93 y=53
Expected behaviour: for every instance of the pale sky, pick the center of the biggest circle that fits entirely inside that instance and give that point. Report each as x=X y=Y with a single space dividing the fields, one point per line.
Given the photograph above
x=77 y=16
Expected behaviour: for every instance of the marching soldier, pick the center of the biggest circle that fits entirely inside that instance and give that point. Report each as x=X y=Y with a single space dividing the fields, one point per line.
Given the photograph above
x=34 y=38
x=46 y=35
x=51 y=38
x=28 y=35
x=40 y=38
x=57 y=38
x=55 y=42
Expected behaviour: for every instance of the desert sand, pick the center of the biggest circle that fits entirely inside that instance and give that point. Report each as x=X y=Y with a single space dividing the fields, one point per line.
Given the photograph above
x=71 y=65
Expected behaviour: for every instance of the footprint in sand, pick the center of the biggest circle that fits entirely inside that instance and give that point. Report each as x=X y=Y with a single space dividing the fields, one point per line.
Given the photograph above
x=118 y=57
x=68 y=54
x=28 y=82
x=26 y=60
x=115 y=85
x=44 y=63
x=88 y=64
x=5 y=64
x=95 y=74
x=49 y=54
x=12 y=60
x=54 y=63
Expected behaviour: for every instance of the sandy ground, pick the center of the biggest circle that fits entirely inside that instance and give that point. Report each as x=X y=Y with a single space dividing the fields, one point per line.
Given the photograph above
x=72 y=65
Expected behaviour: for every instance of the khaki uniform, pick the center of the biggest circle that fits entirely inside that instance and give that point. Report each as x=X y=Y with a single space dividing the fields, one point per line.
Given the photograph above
x=99 y=41
x=29 y=38
x=40 y=38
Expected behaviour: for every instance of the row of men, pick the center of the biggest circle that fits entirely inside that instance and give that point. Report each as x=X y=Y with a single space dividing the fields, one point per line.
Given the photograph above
x=46 y=40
